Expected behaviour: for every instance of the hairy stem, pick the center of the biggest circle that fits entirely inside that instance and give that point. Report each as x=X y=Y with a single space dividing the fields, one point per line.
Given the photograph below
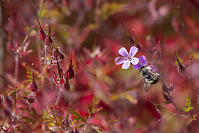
x=97 y=12
x=16 y=76
x=6 y=80
x=45 y=56
x=16 y=68
x=58 y=96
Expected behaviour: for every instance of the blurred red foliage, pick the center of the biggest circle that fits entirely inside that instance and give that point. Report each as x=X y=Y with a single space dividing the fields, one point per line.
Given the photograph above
x=58 y=72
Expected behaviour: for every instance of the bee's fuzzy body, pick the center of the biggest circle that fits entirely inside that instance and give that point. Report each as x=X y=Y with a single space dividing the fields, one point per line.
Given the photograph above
x=149 y=76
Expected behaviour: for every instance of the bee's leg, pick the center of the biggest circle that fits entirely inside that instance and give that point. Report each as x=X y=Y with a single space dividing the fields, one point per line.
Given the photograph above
x=146 y=87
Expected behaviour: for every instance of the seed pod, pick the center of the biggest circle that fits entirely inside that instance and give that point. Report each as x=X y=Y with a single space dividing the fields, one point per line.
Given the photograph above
x=181 y=67
x=58 y=54
x=9 y=101
x=70 y=72
x=164 y=88
x=42 y=34
x=167 y=98
x=167 y=89
x=48 y=39
x=67 y=85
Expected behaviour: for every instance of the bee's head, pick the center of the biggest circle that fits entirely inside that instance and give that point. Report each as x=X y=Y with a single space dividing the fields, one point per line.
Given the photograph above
x=144 y=71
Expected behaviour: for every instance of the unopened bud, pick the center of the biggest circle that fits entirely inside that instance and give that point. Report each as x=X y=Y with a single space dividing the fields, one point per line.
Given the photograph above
x=33 y=86
x=31 y=99
x=48 y=40
x=42 y=35
x=67 y=85
x=58 y=54
x=70 y=72
x=61 y=81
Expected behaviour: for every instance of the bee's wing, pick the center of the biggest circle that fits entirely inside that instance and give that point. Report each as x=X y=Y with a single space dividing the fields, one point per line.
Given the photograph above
x=146 y=86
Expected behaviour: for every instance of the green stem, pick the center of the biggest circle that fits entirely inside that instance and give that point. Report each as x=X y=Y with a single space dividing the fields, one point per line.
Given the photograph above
x=58 y=95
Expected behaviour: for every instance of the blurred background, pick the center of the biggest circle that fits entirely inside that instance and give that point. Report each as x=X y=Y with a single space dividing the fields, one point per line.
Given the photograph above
x=90 y=32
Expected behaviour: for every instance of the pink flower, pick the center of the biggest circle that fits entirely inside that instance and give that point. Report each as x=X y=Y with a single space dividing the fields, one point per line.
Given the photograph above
x=142 y=63
x=127 y=58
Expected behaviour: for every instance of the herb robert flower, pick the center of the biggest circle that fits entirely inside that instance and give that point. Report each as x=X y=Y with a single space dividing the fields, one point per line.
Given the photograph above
x=127 y=58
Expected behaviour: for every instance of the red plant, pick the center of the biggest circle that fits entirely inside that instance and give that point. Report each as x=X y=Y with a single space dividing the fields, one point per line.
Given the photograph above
x=57 y=70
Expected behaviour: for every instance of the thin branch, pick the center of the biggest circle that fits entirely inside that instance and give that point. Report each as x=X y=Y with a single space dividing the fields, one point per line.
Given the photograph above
x=45 y=53
x=2 y=42
x=58 y=96
x=16 y=76
x=6 y=80
x=97 y=12
x=16 y=67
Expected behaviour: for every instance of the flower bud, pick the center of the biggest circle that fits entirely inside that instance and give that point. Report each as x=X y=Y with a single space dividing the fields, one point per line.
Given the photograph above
x=58 y=54
x=48 y=40
x=67 y=85
x=61 y=81
x=31 y=99
x=167 y=98
x=42 y=35
x=33 y=86
x=70 y=72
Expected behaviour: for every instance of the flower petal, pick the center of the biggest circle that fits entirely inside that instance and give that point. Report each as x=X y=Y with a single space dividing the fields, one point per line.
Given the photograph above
x=136 y=67
x=142 y=61
x=133 y=51
x=135 y=61
x=126 y=65
x=123 y=52
x=154 y=68
x=119 y=60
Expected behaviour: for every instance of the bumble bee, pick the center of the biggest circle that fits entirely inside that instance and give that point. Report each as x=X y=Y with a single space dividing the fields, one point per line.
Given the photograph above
x=149 y=77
